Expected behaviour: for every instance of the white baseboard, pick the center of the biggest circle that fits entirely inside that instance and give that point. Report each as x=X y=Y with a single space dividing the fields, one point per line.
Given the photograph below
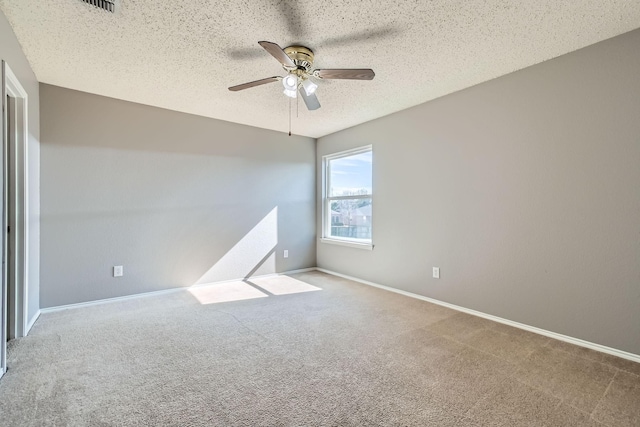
x=300 y=270
x=31 y=322
x=163 y=292
x=109 y=300
x=582 y=343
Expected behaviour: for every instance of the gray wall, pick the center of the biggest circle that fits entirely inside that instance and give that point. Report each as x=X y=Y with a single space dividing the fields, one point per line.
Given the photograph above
x=524 y=190
x=172 y=197
x=11 y=52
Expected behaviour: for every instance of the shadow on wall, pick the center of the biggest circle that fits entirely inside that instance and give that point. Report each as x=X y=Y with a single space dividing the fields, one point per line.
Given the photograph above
x=253 y=255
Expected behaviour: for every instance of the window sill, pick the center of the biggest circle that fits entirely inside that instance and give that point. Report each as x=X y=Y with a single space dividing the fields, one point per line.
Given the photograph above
x=349 y=243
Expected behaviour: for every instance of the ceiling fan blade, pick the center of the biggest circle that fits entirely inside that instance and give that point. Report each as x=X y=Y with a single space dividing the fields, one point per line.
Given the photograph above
x=254 y=83
x=277 y=52
x=311 y=101
x=353 y=74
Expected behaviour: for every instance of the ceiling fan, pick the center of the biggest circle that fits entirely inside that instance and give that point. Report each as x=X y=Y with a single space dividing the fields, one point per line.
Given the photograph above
x=297 y=61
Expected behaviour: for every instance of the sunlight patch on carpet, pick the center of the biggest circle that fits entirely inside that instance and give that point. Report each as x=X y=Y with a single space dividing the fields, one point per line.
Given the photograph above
x=283 y=285
x=225 y=292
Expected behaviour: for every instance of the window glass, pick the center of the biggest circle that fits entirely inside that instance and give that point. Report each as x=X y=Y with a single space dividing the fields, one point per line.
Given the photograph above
x=349 y=195
x=351 y=218
x=351 y=175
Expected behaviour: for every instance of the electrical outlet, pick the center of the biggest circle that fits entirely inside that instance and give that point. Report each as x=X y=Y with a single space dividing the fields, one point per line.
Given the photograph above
x=118 y=271
x=286 y=253
x=436 y=272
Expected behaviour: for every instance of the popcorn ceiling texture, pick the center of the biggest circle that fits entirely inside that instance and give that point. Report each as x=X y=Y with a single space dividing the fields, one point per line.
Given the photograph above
x=183 y=55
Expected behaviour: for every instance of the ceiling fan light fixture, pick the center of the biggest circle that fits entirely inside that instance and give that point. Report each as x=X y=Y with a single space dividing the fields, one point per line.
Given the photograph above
x=290 y=93
x=290 y=82
x=309 y=87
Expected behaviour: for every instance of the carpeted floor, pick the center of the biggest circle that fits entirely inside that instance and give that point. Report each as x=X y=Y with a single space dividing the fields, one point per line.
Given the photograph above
x=343 y=355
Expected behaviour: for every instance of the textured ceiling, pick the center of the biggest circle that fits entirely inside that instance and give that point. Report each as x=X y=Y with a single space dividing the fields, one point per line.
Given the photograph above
x=182 y=55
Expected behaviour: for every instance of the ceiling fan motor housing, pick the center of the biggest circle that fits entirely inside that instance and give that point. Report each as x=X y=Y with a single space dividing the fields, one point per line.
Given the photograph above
x=302 y=57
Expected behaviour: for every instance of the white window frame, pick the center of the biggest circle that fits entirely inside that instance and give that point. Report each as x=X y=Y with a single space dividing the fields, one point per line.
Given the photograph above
x=327 y=199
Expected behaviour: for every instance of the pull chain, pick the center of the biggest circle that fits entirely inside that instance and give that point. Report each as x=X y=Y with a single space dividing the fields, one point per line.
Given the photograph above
x=289 y=116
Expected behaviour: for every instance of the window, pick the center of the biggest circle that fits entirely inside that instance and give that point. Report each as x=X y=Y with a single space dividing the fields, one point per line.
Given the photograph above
x=347 y=197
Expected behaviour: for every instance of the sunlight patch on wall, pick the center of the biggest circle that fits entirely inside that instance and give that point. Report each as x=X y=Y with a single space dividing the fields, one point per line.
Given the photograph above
x=283 y=285
x=253 y=254
x=225 y=292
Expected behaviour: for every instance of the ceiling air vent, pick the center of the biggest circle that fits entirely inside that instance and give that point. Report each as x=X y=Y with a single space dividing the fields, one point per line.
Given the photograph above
x=108 y=5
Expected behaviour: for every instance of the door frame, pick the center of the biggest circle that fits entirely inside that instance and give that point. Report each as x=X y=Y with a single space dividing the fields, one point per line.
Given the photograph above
x=11 y=87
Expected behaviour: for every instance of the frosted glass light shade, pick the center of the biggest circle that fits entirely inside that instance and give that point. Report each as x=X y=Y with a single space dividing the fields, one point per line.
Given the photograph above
x=290 y=93
x=290 y=82
x=309 y=87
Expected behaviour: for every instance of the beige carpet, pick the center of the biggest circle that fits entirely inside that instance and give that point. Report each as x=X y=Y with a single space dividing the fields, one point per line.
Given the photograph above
x=343 y=355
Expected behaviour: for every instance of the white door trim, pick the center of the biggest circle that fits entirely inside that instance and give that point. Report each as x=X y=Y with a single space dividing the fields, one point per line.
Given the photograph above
x=11 y=86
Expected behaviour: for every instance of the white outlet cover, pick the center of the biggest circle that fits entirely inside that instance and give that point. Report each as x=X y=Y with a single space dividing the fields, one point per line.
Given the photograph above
x=286 y=253
x=436 y=272
x=118 y=271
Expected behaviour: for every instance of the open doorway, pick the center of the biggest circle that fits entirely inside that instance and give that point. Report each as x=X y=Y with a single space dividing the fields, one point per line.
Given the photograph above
x=14 y=211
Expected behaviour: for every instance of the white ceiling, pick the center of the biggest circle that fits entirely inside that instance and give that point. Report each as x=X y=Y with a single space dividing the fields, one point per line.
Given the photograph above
x=182 y=55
